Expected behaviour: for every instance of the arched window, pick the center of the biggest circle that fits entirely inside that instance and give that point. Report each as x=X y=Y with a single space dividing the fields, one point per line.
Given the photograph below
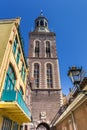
x=41 y=23
x=48 y=49
x=37 y=50
x=36 y=74
x=10 y=79
x=49 y=76
x=37 y=23
x=46 y=24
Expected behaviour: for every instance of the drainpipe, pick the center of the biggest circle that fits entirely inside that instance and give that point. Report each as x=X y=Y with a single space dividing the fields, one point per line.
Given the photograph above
x=73 y=121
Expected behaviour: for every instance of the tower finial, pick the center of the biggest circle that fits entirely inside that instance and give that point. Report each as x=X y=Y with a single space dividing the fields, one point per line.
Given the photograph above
x=41 y=12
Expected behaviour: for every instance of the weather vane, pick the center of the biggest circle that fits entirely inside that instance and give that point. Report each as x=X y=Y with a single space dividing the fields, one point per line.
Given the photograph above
x=41 y=12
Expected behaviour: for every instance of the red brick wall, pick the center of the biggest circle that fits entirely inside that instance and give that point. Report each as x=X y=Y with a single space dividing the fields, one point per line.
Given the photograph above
x=45 y=101
x=42 y=37
x=42 y=101
x=56 y=78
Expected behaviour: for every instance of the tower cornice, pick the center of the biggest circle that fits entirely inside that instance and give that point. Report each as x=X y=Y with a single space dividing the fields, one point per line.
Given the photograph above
x=42 y=33
x=43 y=58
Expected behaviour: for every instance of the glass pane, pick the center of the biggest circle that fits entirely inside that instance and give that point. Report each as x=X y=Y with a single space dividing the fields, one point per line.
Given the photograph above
x=15 y=126
x=7 y=124
x=10 y=79
x=36 y=74
x=37 y=49
x=49 y=76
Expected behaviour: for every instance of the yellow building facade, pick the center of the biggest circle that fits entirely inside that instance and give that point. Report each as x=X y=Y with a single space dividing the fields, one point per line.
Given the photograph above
x=13 y=75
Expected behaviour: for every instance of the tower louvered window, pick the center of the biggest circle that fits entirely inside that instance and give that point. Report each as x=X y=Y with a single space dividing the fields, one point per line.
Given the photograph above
x=37 y=49
x=41 y=23
x=36 y=74
x=48 y=55
x=49 y=76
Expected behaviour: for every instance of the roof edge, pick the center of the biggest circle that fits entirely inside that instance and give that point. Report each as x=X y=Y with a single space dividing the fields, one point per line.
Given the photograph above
x=10 y=20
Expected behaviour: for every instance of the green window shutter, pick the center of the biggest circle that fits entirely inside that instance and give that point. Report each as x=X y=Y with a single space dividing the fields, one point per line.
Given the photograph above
x=21 y=91
x=10 y=79
x=15 y=45
x=18 y=56
x=24 y=76
x=23 y=72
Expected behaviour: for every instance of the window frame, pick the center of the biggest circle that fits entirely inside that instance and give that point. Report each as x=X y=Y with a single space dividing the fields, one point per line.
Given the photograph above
x=49 y=75
x=18 y=56
x=36 y=74
x=10 y=79
x=15 y=45
x=48 y=49
x=37 y=48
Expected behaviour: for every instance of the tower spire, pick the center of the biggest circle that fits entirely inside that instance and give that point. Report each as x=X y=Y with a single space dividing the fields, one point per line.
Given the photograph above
x=41 y=12
x=41 y=23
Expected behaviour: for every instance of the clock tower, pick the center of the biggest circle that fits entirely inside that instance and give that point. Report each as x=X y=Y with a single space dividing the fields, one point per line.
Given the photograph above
x=44 y=75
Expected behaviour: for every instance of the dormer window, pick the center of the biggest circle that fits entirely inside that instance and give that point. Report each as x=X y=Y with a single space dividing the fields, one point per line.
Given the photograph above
x=48 y=49
x=37 y=49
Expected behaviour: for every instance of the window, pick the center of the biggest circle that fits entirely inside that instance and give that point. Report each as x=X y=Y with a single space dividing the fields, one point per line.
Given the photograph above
x=10 y=79
x=41 y=23
x=21 y=91
x=7 y=124
x=15 y=49
x=26 y=127
x=15 y=45
x=37 y=23
x=18 y=56
x=23 y=73
x=37 y=49
x=49 y=76
x=36 y=74
x=48 y=49
x=21 y=127
x=46 y=24
x=15 y=126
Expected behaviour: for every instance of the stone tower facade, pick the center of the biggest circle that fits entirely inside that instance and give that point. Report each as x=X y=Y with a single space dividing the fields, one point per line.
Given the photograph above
x=44 y=74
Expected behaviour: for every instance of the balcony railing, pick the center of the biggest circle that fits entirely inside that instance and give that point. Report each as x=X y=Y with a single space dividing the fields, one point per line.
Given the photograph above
x=12 y=95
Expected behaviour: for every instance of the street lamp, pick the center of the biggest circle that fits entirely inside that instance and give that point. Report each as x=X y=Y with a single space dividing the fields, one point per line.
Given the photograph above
x=76 y=75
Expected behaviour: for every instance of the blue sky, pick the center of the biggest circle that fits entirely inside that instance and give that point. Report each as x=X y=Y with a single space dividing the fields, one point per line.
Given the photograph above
x=67 y=18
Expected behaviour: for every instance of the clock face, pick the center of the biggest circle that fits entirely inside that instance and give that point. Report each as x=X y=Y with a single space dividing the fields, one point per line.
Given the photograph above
x=43 y=115
x=42 y=28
